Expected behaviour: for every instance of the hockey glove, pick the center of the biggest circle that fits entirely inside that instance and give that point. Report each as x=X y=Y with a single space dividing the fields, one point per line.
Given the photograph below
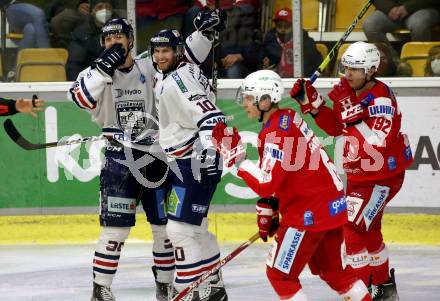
x=228 y=144
x=267 y=217
x=210 y=20
x=345 y=103
x=210 y=170
x=306 y=95
x=110 y=59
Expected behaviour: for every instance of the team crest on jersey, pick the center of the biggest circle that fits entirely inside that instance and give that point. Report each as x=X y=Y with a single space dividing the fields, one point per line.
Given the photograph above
x=179 y=82
x=131 y=116
x=284 y=122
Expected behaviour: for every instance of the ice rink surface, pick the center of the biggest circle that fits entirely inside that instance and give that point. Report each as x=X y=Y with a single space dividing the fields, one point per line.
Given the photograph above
x=63 y=273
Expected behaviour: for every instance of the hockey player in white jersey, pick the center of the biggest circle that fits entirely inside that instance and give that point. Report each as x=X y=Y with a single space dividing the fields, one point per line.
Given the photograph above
x=187 y=115
x=117 y=91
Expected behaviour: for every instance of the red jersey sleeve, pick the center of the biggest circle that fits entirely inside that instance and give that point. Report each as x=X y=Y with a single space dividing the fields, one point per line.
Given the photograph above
x=7 y=107
x=267 y=176
x=327 y=120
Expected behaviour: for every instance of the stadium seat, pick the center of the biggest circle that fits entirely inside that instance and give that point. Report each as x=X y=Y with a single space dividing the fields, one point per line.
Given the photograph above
x=322 y=48
x=310 y=14
x=41 y=65
x=416 y=54
x=346 y=11
x=14 y=36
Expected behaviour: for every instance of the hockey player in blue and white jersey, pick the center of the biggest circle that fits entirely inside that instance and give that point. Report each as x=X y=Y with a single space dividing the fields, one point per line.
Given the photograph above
x=117 y=91
x=187 y=115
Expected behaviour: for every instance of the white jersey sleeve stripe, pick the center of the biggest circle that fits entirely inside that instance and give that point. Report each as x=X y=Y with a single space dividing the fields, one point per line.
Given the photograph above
x=370 y=136
x=191 y=55
x=209 y=117
x=182 y=148
x=80 y=98
x=87 y=94
x=197 y=47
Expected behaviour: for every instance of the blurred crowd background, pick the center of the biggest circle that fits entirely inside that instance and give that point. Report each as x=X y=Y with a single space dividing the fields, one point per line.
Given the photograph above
x=53 y=40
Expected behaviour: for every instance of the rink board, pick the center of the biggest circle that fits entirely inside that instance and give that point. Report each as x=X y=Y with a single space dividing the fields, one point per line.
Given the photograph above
x=420 y=229
x=58 y=178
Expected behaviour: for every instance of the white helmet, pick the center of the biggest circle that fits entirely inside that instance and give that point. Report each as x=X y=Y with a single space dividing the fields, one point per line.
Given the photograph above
x=361 y=55
x=260 y=83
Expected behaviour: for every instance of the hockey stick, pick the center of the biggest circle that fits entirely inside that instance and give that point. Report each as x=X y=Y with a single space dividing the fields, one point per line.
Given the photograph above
x=15 y=135
x=217 y=267
x=214 y=58
x=338 y=44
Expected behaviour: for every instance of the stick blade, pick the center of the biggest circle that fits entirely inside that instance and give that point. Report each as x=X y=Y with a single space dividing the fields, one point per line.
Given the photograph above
x=13 y=133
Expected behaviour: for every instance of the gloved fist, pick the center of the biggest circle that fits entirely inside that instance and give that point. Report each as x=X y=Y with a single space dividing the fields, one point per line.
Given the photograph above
x=211 y=168
x=341 y=91
x=345 y=102
x=267 y=217
x=210 y=20
x=228 y=144
x=110 y=59
x=306 y=95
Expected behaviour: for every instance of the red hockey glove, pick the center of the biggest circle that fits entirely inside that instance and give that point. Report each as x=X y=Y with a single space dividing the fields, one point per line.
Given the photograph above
x=345 y=102
x=228 y=144
x=306 y=95
x=267 y=217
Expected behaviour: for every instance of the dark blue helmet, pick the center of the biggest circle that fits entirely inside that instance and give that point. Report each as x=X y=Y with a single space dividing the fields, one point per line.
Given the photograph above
x=119 y=25
x=167 y=38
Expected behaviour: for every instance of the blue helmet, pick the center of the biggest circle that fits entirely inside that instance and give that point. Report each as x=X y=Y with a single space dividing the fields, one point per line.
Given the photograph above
x=167 y=38
x=119 y=25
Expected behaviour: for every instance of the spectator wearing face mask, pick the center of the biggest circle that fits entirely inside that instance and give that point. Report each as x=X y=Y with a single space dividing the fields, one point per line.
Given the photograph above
x=277 y=50
x=432 y=67
x=85 y=46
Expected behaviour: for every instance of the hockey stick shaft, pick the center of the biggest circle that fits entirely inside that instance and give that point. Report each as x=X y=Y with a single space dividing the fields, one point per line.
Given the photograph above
x=338 y=44
x=15 y=135
x=217 y=267
x=214 y=56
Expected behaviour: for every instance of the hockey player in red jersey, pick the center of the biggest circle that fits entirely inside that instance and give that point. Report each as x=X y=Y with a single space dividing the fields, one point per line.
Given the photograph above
x=375 y=157
x=297 y=180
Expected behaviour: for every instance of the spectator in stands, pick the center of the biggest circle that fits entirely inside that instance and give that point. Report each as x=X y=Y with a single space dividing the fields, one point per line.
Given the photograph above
x=388 y=61
x=238 y=51
x=64 y=16
x=155 y=15
x=277 y=50
x=433 y=63
x=27 y=18
x=419 y=16
x=86 y=45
